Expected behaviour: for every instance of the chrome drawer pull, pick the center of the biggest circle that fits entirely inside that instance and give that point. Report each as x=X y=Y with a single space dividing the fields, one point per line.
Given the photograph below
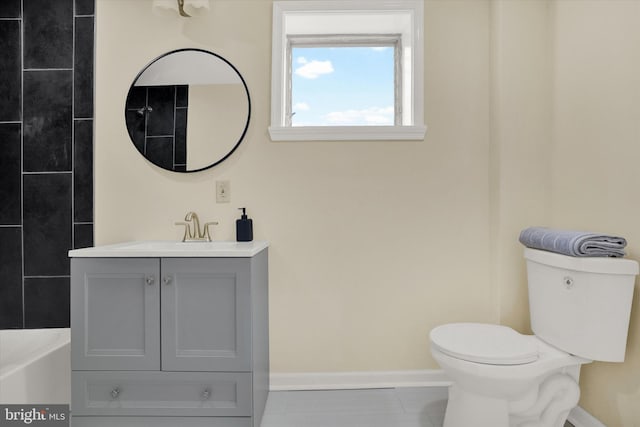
x=167 y=280
x=115 y=392
x=150 y=280
x=206 y=394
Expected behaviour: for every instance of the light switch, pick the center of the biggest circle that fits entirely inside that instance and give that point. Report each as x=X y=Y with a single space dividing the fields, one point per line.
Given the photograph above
x=223 y=191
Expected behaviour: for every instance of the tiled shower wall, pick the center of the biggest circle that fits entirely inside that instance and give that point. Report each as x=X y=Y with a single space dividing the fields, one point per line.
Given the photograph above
x=46 y=155
x=157 y=124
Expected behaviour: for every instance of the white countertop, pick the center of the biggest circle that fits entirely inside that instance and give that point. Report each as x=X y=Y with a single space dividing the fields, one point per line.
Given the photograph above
x=172 y=249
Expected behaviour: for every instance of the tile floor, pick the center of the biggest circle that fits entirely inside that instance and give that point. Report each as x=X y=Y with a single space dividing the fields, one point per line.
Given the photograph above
x=389 y=407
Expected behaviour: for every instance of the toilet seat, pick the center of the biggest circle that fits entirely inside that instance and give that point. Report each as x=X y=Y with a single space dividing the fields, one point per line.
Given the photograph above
x=484 y=343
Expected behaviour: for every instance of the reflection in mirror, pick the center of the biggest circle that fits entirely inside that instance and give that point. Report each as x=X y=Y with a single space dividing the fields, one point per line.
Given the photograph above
x=188 y=110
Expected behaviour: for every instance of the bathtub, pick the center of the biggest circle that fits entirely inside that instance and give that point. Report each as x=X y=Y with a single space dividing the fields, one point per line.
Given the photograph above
x=35 y=366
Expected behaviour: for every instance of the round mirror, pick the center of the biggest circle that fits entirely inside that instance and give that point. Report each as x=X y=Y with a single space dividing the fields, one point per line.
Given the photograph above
x=188 y=110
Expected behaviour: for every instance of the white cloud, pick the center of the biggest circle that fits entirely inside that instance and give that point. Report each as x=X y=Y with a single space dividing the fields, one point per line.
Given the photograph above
x=301 y=106
x=301 y=60
x=369 y=116
x=314 y=69
x=380 y=48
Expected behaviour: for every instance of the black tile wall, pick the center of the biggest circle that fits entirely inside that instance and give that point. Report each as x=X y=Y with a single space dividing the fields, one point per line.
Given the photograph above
x=82 y=236
x=10 y=174
x=83 y=171
x=46 y=155
x=156 y=118
x=47 y=224
x=181 y=136
x=11 y=274
x=83 y=68
x=182 y=96
x=48 y=33
x=137 y=97
x=11 y=66
x=85 y=7
x=159 y=151
x=47 y=120
x=136 y=124
x=46 y=302
x=10 y=8
x=161 y=100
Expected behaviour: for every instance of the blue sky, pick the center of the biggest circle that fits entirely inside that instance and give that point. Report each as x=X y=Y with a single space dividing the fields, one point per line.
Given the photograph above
x=337 y=86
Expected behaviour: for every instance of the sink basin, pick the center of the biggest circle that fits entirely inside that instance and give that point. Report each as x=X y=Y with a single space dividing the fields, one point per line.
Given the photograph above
x=172 y=249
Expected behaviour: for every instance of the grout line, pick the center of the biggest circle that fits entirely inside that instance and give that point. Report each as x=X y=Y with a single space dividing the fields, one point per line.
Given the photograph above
x=47 y=69
x=46 y=173
x=175 y=113
x=88 y=15
x=146 y=121
x=22 y=154
x=73 y=126
x=93 y=124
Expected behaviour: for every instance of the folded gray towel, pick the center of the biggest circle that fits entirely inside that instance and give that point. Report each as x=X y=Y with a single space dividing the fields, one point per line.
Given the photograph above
x=573 y=243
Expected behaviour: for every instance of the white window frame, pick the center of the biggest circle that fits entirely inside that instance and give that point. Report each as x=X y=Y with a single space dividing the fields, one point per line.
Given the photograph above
x=328 y=18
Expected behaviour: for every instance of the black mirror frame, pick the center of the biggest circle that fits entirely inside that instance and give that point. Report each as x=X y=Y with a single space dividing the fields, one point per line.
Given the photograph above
x=244 y=131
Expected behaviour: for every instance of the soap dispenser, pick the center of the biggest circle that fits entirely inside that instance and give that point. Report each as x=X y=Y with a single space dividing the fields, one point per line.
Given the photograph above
x=244 y=227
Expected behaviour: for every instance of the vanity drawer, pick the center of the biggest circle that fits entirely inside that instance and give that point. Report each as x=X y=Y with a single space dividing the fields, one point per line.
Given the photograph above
x=192 y=394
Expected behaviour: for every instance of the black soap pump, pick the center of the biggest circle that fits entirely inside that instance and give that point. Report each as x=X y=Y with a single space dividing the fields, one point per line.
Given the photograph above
x=244 y=227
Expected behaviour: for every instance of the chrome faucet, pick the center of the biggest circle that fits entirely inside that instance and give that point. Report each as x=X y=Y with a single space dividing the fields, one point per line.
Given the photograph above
x=192 y=232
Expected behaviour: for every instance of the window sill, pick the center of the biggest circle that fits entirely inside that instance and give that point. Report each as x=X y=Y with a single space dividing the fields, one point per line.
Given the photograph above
x=347 y=133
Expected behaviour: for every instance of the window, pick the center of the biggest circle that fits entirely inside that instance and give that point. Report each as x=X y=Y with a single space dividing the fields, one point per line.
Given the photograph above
x=349 y=69
x=344 y=81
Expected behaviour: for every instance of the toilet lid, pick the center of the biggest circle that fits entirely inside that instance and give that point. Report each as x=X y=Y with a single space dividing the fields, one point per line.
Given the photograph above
x=484 y=343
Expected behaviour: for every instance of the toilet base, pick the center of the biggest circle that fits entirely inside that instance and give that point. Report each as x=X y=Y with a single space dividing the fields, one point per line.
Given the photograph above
x=466 y=409
x=548 y=405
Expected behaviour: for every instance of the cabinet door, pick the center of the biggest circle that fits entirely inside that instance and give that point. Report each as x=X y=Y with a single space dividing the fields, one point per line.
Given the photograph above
x=206 y=314
x=115 y=309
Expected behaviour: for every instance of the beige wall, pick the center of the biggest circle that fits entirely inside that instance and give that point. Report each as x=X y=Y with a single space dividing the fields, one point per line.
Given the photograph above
x=596 y=152
x=372 y=243
x=533 y=115
x=520 y=144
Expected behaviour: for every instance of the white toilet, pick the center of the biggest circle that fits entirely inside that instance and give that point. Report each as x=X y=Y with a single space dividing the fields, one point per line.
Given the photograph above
x=580 y=311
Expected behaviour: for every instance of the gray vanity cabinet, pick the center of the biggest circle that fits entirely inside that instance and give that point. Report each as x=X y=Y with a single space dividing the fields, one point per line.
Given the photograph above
x=206 y=314
x=114 y=316
x=184 y=339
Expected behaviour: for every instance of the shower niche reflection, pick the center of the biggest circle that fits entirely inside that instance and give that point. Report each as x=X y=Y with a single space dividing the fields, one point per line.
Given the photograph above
x=188 y=110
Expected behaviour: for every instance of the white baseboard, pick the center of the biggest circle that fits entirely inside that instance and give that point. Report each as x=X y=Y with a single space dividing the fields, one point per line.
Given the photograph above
x=358 y=380
x=581 y=418
x=387 y=379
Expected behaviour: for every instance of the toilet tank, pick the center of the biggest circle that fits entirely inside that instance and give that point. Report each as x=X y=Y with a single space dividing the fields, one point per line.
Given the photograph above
x=581 y=305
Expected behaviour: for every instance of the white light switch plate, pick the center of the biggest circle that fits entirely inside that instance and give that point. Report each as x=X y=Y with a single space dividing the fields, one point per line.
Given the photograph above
x=223 y=191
